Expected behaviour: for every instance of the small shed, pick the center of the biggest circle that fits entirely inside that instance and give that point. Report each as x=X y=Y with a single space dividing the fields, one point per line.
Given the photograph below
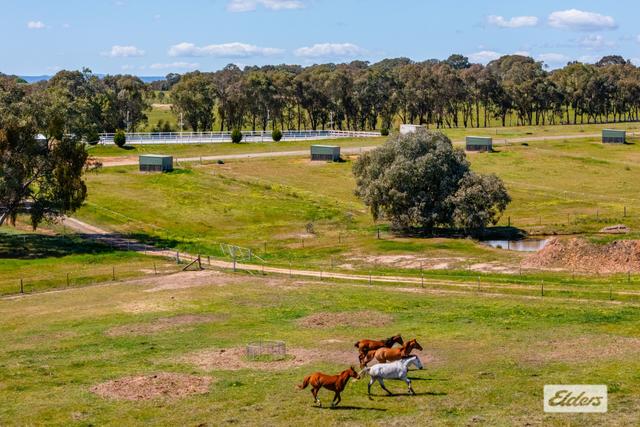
x=614 y=136
x=405 y=129
x=325 y=152
x=155 y=163
x=479 y=143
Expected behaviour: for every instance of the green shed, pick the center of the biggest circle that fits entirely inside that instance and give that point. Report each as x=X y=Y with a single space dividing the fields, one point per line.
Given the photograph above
x=615 y=136
x=479 y=143
x=325 y=152
x=155 y=163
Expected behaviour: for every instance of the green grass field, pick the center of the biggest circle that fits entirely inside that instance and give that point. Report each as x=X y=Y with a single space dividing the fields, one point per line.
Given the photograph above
x=486 y=358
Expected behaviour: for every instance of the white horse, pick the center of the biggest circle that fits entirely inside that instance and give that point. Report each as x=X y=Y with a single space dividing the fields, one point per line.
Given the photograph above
x=392 y=371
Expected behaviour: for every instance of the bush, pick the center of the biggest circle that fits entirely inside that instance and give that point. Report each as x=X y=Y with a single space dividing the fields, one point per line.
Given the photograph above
x=92 y=137
x=276 y=135
x=236 y=136
x=120 y=138
x=384 y=132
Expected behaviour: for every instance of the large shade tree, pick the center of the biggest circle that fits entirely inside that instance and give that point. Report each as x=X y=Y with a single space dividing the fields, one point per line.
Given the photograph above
x=420 y=180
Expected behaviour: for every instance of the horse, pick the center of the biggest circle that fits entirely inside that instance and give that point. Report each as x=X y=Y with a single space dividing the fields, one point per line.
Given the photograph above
x=335 y=383
x=365 y=346
x=392 y=371
x=384 y=355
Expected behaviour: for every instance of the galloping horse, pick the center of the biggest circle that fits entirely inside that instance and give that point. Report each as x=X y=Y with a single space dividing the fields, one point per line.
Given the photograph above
x=392 y=371
x=384 y=355
x=335 y=383
x=365 y=346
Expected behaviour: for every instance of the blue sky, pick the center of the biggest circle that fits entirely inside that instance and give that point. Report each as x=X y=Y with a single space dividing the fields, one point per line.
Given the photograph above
x=154 y=37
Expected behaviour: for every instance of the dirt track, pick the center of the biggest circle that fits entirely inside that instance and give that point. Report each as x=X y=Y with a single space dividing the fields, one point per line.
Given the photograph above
x=133 y=160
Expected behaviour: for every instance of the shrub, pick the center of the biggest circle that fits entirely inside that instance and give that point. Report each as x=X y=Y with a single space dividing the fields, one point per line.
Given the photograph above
x=92 y=137
x=276 y=135
x=120 y=138
x=384 y=132
x=236 y=136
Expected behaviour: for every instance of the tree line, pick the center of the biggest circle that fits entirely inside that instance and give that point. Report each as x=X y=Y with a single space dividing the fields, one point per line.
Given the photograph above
x=511 y=90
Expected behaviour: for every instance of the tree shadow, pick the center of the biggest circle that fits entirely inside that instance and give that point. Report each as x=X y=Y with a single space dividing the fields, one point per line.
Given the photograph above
x=489 y=233
x=422 y=393
x=128 y=148
x=35 y=246
x=350 y=408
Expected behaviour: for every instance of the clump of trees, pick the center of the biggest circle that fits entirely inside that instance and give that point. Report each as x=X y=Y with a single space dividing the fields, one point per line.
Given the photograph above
x=41 y=176
x=420 y=181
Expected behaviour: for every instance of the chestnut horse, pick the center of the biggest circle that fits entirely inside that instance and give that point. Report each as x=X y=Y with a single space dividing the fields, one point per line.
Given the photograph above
x=365 y=346
x=335 y=383
x=384 y=355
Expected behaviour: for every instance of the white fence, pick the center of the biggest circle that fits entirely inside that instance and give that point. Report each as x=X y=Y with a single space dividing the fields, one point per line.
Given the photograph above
x=219 y=137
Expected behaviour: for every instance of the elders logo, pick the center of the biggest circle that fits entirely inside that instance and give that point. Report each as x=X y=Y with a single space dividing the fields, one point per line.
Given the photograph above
x=575 y=398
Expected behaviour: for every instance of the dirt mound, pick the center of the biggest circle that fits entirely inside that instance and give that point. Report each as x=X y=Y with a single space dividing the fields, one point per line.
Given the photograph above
x=353 y=319
x=160 y=325
x=580 y=255
x=234 y=359
x=163 y=385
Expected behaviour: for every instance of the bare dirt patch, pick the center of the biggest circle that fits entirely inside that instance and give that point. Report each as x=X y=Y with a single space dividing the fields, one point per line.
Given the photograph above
x=163 y=385
x=162 y=324
x=234 y=359
x=584 y=349
x=579 y=254
x=409 y=261
x=354 y=319
x=188 y=279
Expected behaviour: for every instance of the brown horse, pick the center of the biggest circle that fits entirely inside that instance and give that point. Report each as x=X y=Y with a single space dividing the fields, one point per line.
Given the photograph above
x=365 y=346
x=384 y=355
x=335 y=383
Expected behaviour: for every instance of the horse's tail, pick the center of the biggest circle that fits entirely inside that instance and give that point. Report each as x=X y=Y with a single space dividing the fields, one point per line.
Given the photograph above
x=305 y=382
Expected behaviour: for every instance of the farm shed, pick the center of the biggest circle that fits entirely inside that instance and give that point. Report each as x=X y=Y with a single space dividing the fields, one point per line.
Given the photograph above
x=613 y=136
x=155 y=163
x=479 y=143
x=405 y=129
x=325 y=152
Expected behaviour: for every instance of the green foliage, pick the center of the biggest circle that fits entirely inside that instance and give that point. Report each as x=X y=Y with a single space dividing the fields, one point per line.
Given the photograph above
x=420 y=180
x=43 y=175
x=276 y=135
x=236 y=136
x=120 y=138
x=384 y=132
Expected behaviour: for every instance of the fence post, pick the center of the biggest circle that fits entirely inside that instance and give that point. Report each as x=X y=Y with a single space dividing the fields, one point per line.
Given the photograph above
x=177 y=257
x=113 y=273
x=67 y=280
x=610 y=292
x=542 y=288
x=378 y=233
x=625 y=211
x=421 y=276
x=290 y=269
x=155 y=270
x=21 y=286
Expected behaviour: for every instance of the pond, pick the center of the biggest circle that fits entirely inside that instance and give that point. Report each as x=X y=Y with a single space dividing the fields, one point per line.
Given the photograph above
x=522 y=245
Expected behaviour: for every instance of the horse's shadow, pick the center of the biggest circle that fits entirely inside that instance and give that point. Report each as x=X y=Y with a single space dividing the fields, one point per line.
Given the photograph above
x=349 y=408
x=424 y=393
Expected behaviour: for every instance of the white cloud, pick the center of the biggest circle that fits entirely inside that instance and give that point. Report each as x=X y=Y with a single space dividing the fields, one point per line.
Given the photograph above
x=515 y=22
x=588 y=59
x=36 y=25
x=124 y=52
x=175 y=66
x=553 y=58
x=522 y=53
x=595 y=41
x=484 y=56
x=251 y=5
x=330 y=50
x=574 y=19
x=236 y=50
x=638 y=38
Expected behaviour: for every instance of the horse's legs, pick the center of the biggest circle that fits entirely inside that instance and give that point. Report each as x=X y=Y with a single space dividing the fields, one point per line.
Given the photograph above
x=315 y=391
x=336 y=399
x=383 y=387
x=371 y=381
x=408 y=381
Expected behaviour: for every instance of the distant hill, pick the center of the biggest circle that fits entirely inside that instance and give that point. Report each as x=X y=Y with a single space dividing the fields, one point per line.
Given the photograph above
x=34 y=79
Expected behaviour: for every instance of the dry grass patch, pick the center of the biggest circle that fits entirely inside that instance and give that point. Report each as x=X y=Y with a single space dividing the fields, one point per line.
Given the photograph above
x=584 y=349
x=234 y=359
x=352 y=319
x=160 y=325
x=163 y=385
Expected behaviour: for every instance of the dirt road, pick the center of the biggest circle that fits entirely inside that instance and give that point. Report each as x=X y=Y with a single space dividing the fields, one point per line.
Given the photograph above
x=133 y=160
